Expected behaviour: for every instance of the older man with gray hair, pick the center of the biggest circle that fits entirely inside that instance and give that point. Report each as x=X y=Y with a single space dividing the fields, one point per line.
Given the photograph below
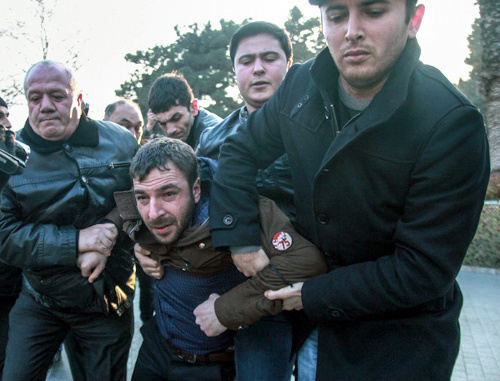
x=59 y=226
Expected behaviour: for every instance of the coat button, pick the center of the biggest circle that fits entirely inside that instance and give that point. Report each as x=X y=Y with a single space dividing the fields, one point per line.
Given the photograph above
x=84 y=180
x=227 y=220
x=323 y=219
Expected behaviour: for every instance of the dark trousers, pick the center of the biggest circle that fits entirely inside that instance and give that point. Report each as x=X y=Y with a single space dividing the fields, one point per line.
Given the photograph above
x=36 y=332
x=157 y=361
x=6 y=304
x=146 y=295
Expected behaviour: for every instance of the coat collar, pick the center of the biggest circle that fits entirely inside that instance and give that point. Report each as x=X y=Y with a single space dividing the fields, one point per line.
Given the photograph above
x=85 y=135
x=383 y=106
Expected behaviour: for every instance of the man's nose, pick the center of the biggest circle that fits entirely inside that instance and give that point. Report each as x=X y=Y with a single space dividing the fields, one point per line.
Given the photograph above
x=7 y=124
x=258 y=67
x=46 y=104
x=171 y=128
x=155 y=209
x=354 y=29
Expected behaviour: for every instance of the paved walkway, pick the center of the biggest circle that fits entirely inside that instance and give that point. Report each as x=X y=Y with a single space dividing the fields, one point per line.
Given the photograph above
x=479 y=357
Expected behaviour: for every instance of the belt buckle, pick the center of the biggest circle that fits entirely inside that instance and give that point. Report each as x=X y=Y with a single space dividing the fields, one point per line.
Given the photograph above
x=192 y=361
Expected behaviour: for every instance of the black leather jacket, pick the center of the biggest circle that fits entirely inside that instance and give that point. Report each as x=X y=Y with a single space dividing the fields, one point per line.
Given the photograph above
x=68 y=186
x=274 y=182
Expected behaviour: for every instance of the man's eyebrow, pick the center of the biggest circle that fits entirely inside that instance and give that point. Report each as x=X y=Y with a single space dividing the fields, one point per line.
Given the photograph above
x=173 y=116
x=125 y=120
x=252 y=55
x=270 y=52
x=246 y=56
x=163 y=188
x=372 y=2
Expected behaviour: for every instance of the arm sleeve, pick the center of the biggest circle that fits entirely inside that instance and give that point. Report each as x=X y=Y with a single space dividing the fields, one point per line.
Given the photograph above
x=234 y=213
x=292 y=259
x=440 y=216
x=34 y=245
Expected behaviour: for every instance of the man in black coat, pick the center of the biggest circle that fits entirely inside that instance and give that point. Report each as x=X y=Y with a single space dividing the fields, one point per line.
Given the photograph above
x=390 y=165
x=59 y=224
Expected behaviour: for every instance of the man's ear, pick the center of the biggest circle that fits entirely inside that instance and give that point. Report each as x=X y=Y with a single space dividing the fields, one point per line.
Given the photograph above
x=416 y=21
x=197 y=190
x=194 y=107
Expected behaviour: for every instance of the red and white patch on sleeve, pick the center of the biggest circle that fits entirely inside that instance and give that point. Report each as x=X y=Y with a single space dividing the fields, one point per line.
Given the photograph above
x=282 y=241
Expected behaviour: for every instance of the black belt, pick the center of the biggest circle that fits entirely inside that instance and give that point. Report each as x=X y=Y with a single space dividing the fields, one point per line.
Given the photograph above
x=214 y=357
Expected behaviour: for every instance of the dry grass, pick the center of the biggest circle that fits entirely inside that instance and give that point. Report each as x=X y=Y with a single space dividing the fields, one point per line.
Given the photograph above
x=484 y=250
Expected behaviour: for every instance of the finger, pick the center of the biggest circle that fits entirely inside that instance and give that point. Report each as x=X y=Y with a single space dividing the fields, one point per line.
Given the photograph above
x=140 y=250
x=273 y=295
x=106 y=249
x=85 y=271
x=110 y=226
x=149 y=263
x=96 y=272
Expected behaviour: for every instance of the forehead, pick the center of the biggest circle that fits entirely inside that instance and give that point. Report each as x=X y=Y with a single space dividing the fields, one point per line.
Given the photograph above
x=260 y=43
x=357 y=3
x=48 y=77
x=173 y=110
x=126 y=111
x=158 y=179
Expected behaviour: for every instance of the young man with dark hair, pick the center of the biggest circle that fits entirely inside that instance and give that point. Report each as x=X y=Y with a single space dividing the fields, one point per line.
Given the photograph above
x=167 y=213
x=390 y=165
x=261 y=54
x=175 y=109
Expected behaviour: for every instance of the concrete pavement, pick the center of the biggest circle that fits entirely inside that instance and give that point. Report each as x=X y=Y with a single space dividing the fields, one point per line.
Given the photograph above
x=479 y=357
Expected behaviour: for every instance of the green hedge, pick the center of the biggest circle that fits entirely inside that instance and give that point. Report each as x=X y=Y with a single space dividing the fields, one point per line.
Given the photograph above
x=484 y=250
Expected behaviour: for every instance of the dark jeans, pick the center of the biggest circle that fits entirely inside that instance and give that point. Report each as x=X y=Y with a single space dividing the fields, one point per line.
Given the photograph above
x=36 y=332
x=6 y=304
x=263 y=350
x=157 y=361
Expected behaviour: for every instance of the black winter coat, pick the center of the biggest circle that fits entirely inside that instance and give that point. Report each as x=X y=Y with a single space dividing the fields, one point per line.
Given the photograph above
x=274 y=182
x=392 y=199
x=68 y=186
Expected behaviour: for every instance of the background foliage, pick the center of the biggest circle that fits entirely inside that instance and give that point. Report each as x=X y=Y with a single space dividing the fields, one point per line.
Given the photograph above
x=484 y=250
x=201 y=55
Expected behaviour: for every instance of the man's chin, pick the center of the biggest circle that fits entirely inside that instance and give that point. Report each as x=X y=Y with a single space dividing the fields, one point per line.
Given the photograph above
x=167 y=238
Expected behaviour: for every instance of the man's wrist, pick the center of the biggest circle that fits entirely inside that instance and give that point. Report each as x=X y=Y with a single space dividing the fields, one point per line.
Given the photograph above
x=244 y=249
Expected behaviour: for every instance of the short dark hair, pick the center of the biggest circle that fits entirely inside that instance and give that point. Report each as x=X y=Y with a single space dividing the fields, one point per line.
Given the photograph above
x=168 y=91
x=3 y=103
x=110 y=109
x=157 y=153
x=261 y=27
x=410 y=7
